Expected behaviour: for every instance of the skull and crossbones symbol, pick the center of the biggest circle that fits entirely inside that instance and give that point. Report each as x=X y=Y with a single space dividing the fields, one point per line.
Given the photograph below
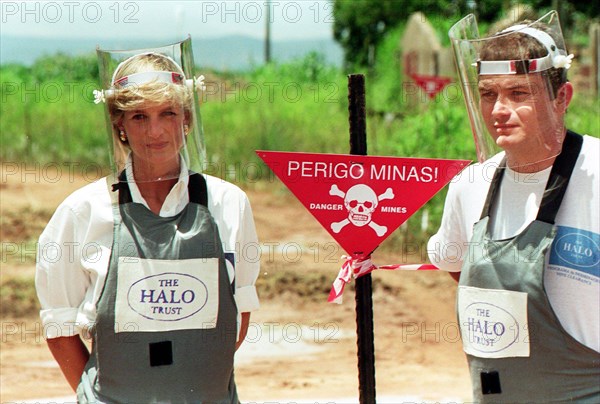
x=360 y=201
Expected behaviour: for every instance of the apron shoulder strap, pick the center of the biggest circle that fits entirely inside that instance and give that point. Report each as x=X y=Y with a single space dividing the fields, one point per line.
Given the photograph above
x=111 y=184
x=557 y=182
x=197 y=189
x=559 y=177
x=494 y=187
x=118 y=189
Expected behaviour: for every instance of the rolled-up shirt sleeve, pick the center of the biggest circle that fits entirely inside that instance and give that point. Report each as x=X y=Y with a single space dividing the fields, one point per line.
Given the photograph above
x=60 y=282
x=73 y=253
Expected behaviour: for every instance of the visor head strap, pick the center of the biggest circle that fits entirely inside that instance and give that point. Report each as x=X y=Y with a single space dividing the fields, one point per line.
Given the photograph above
x=555 y=58
x=177 y=77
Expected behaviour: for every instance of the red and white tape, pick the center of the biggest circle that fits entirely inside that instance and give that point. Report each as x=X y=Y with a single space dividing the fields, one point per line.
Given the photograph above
x=357 y=267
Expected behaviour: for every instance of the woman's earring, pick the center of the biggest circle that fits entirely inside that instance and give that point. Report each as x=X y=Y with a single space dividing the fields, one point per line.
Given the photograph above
x=122 y=136
x=186 y=129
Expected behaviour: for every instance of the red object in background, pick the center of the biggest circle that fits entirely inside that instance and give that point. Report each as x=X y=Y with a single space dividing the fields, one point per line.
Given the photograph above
x=361 y=200
x=432 y=85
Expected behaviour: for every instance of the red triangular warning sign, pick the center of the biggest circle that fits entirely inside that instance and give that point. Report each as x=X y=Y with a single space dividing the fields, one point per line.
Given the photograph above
x=361 y=200
x=431 y=84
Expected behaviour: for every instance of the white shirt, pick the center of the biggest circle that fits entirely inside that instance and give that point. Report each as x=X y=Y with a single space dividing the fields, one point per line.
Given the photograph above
x=571 y=276
x=74 y=250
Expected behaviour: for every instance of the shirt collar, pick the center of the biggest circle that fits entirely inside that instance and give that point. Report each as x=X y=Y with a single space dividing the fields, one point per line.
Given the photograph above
x=177 y=198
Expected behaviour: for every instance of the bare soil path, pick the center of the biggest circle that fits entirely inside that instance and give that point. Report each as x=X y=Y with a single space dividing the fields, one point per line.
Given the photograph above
x=299 y=347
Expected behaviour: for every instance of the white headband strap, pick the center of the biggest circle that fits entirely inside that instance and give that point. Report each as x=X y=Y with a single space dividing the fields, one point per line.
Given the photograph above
x=556 y=57
x=146 y=77
x=541 y=36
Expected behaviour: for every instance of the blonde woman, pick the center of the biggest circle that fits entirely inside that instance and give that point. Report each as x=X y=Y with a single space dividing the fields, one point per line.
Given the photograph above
x=154 y=275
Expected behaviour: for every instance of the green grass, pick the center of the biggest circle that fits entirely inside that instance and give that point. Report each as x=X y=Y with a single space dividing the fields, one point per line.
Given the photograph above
x=296 y=106
x=47 y=116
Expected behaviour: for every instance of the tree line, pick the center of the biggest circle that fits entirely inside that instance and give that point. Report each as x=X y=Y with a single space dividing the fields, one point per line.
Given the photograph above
x=360 y=25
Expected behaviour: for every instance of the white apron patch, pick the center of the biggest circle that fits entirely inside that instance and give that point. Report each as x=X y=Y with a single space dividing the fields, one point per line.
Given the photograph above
x=164 y=295
x=493 y=323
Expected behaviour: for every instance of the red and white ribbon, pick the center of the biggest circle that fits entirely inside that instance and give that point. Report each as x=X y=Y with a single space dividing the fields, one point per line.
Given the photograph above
x=355 y=267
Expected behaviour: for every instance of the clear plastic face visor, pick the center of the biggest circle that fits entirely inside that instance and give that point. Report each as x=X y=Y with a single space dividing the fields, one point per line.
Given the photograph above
x=152 y=112
x=513 y=86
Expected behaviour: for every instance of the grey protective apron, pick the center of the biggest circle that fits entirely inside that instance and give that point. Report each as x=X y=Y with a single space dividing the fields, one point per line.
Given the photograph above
x=166 y=319
x=516 y=348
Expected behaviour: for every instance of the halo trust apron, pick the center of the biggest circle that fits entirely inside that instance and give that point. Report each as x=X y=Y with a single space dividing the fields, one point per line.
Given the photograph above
x=166 y=326
x=516 y=348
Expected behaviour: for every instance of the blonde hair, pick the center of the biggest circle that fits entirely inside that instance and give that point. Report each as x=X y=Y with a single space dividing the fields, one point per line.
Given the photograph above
x=154 y=92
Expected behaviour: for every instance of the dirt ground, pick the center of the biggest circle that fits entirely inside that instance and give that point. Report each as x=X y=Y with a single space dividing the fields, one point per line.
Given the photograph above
x=299 y=347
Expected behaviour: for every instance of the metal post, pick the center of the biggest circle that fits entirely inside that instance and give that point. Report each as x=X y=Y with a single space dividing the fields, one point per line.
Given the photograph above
x=363 y=286
x=268 y=32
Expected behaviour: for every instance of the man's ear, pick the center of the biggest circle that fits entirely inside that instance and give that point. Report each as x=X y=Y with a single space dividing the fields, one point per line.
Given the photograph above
x=564 y=96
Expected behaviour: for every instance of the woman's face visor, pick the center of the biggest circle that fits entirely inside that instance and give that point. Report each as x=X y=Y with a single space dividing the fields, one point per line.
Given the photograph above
x=152 y=112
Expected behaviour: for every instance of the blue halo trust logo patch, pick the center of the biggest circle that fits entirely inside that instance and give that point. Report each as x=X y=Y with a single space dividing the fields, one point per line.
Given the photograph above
x=167 y=296
x=576 y=249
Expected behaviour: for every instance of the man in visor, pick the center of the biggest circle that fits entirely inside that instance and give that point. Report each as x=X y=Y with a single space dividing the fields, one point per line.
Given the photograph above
x=520 y=229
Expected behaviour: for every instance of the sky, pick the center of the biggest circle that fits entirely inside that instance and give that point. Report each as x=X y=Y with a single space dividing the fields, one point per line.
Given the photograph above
x=300 y=19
